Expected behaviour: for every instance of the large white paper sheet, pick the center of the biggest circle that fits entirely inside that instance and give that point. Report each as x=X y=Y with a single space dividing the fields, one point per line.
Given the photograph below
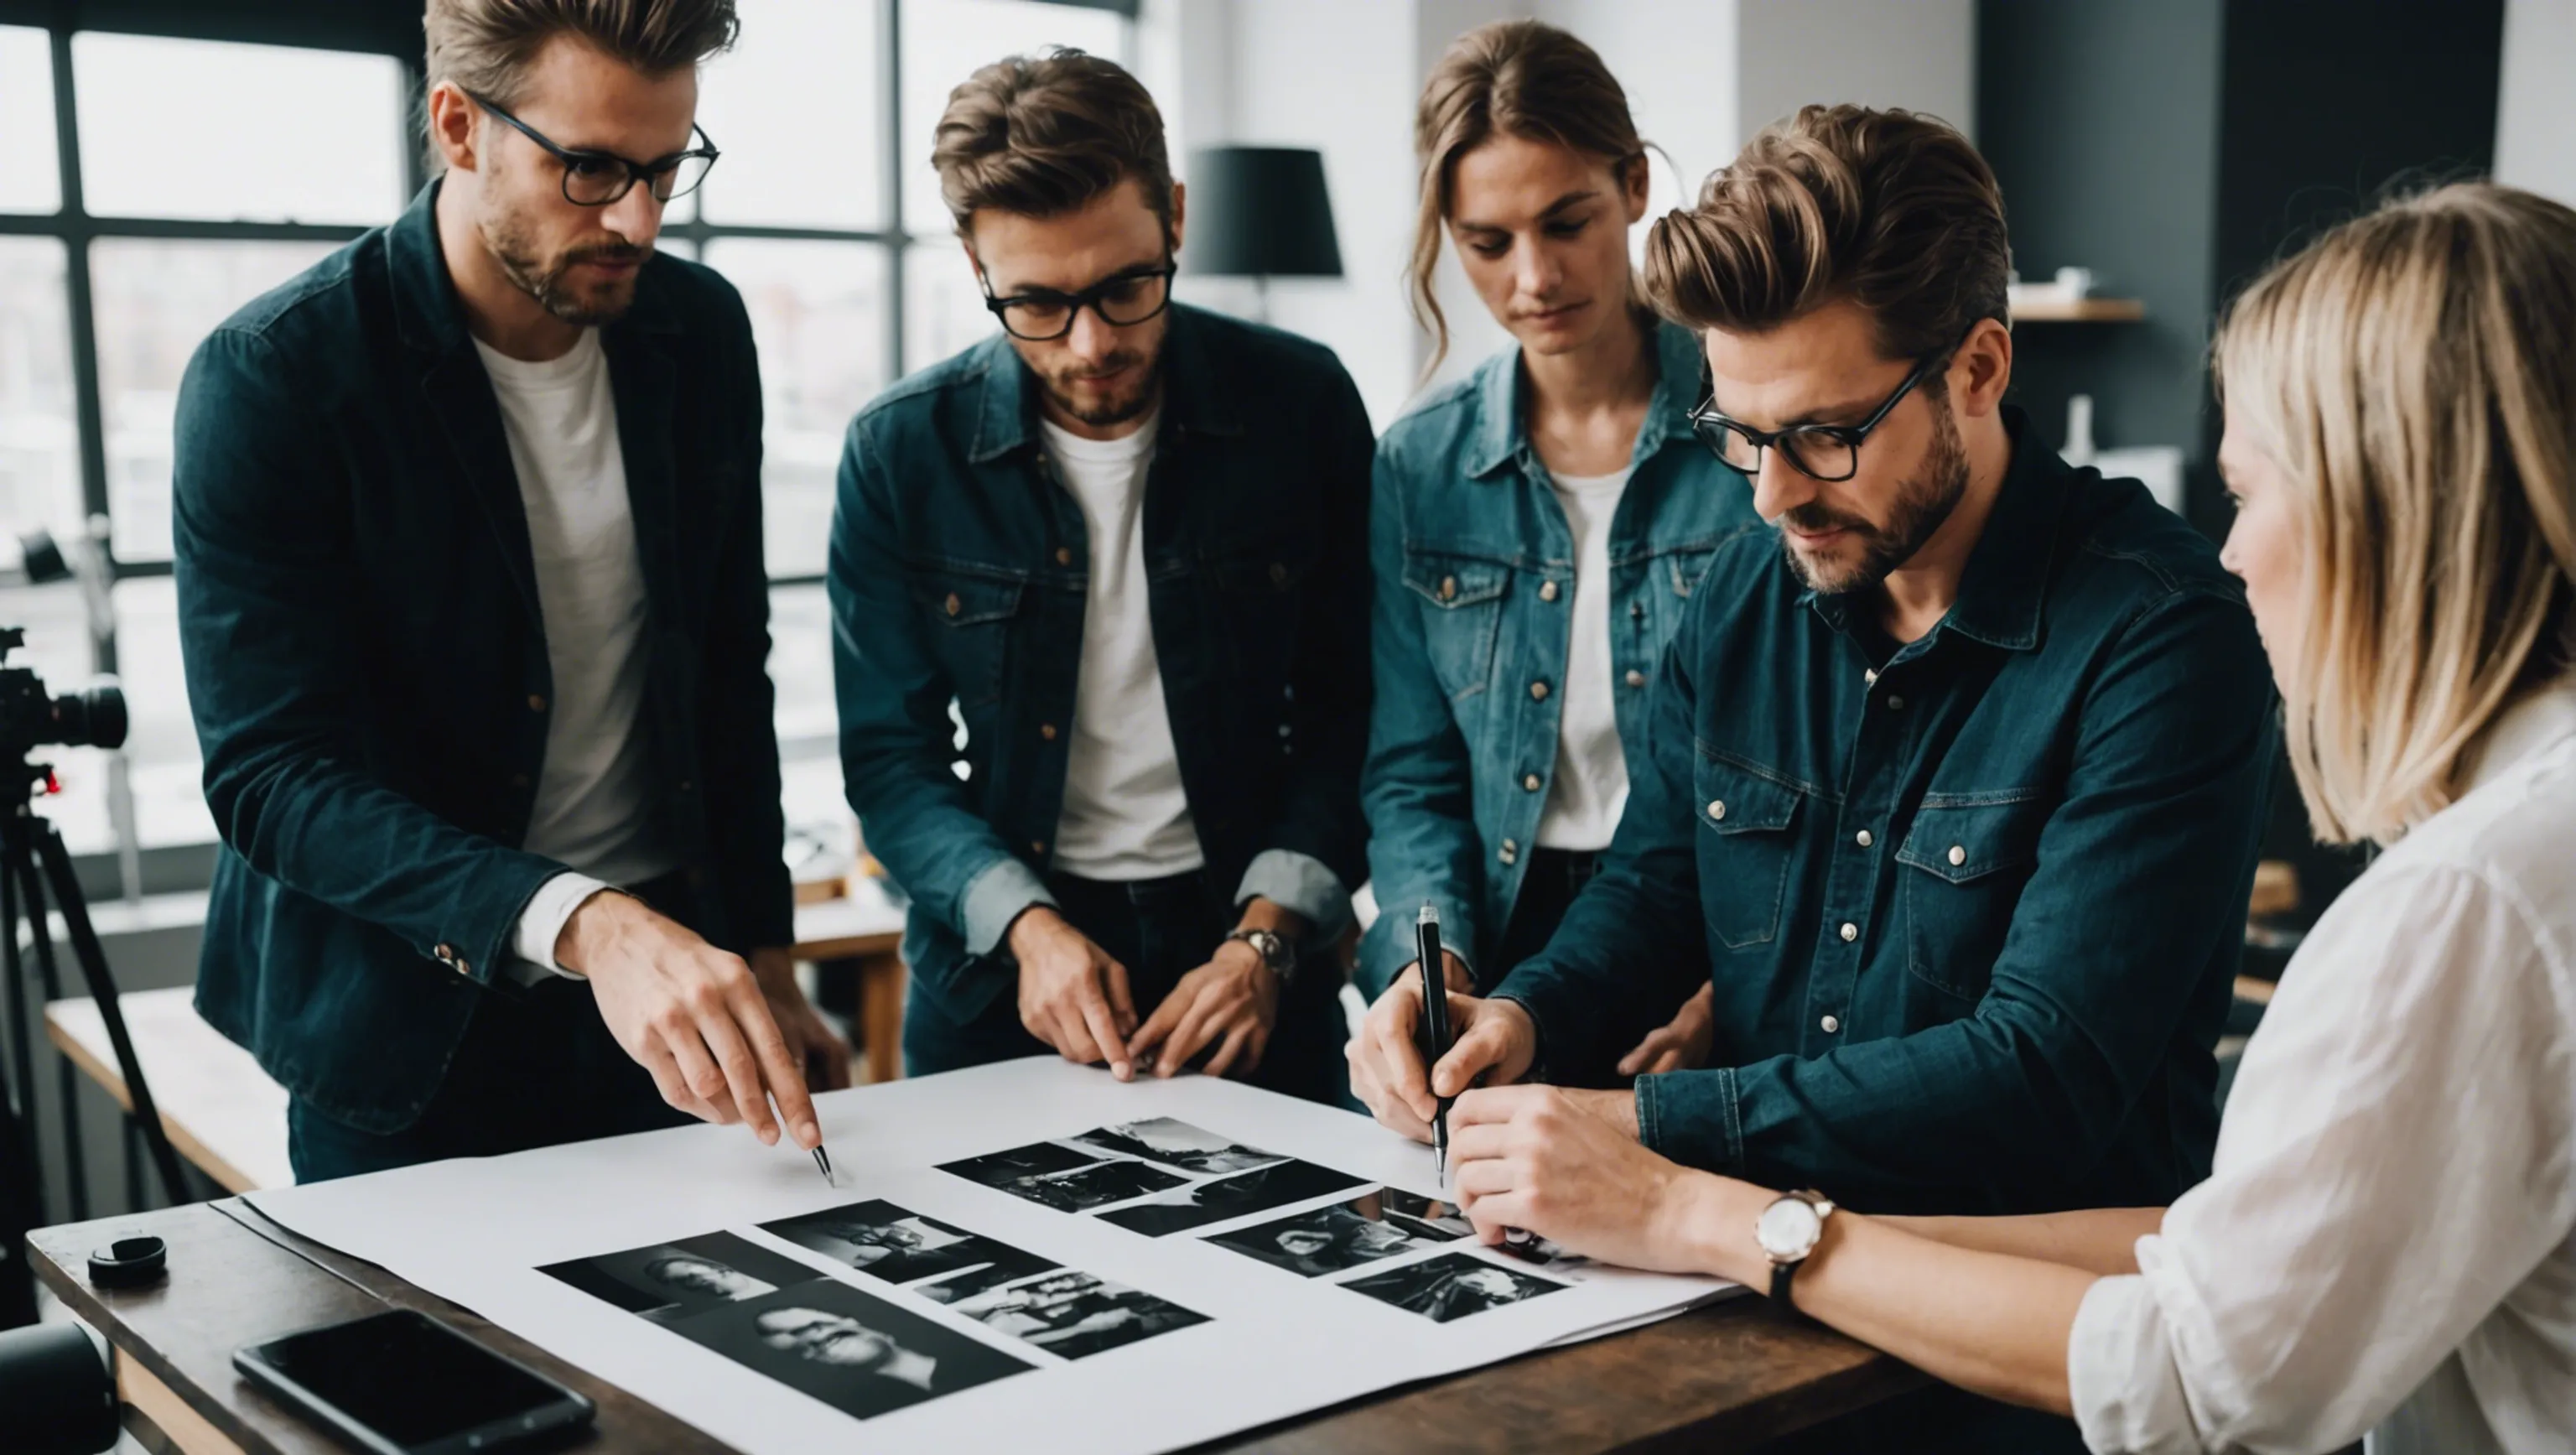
x=1222 y=1258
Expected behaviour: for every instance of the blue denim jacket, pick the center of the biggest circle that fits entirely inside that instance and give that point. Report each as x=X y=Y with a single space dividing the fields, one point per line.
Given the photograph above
x=1972 y=907
x=1464 y=534
x=958 y=575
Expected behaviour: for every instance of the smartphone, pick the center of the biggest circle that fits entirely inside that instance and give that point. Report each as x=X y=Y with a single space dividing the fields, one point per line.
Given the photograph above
x=402 y=1383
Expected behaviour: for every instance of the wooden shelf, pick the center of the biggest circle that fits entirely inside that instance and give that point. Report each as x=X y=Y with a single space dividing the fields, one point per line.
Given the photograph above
x=2082 y=310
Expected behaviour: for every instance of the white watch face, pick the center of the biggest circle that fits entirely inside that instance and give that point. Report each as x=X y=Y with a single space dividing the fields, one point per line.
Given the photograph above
x=1788 y=1229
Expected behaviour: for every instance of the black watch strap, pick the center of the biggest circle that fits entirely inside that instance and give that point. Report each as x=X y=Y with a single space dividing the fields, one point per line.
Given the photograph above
x=1781 y=1304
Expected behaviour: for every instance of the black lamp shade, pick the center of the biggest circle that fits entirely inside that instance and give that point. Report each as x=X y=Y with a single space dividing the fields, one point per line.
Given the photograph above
x=1260 y=212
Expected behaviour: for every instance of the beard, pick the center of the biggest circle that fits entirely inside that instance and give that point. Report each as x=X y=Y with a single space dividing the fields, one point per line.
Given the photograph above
x=1923 y=505
x=1103 y=410
x=544 y=279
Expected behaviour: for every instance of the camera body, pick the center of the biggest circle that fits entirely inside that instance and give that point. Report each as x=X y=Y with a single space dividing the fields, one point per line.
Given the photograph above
x=31 y=717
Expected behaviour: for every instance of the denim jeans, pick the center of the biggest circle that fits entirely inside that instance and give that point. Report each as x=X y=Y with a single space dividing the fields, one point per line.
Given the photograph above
x=1160 y=929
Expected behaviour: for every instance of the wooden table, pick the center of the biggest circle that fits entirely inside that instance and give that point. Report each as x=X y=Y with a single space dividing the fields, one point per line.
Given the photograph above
x=1722 y=1378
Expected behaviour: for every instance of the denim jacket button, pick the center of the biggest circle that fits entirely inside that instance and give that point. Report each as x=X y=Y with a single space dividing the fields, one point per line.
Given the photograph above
x=952 y=605
x=1530 y=782
x=1850 y=932
x=1063 y=556
x=1830 y=1025
x=1869 y=676
x=1448 y=588
x=1895 y=703
x=1636 y=678
x=1863 y=839
x=1538 y=692
x=1547 y=591
x=1509 y=853
x=1717 y=808
x=1046 y=730
x=1958 y=856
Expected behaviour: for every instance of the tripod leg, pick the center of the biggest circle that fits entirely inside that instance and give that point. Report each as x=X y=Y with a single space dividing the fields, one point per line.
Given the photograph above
x=21 y=1044
x=22 y=1208
x=102 y=988
x=66 y=1078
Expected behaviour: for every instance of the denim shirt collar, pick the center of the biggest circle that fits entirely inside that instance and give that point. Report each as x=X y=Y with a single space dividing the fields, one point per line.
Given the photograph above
x=431 y=318
x=1502 y=432
x=2006 y=580
x=1197 y=397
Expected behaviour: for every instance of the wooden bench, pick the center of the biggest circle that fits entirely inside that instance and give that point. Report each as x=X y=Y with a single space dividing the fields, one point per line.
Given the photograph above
x=224 y=1115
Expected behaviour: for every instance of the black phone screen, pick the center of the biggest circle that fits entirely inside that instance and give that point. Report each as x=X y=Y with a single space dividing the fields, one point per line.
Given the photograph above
x=408 y=1379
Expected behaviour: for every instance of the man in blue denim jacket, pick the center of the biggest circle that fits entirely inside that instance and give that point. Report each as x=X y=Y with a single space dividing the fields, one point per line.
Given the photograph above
x=1125 y=545
x=1953 y=783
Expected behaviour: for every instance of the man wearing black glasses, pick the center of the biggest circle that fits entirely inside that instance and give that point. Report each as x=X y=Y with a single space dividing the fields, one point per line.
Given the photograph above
x=471 y=600
x=1124 y=543
x=1956 y=783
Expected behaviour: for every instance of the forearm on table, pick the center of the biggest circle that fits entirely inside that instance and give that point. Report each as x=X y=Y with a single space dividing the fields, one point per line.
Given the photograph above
x=1991 y=1323
x=2102 y=1240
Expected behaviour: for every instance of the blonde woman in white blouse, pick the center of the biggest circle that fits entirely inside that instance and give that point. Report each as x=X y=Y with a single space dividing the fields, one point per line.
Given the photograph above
x=2387 y=1242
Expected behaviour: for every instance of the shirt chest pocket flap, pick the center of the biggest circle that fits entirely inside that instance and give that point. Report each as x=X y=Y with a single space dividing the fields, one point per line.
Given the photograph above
x=1462 y=613
x=1745 y=820
x=1966 y=866
x=971 y=618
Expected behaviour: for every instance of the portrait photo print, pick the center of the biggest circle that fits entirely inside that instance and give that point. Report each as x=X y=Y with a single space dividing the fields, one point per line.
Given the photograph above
x=1451 y=1286
x=1023 y=1172
x=853 y=1351
x=664 y=1281
x=1074 y=1314
x=1176 y=1143
x=895 y=1244
x=1276 y=1185
x=1334 y=1239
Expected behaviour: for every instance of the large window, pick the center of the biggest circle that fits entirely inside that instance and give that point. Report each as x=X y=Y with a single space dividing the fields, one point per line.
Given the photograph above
x=129 y=227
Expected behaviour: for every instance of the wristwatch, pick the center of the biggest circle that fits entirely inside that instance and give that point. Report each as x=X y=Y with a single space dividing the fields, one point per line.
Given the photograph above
x=1789 y=1230
x=1276 y=951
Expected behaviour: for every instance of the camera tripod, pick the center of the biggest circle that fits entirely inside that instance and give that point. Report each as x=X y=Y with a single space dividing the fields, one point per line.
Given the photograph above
x=33 y=861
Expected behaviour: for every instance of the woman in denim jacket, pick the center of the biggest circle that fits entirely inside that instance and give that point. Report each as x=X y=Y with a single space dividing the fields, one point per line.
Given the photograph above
x=1537 y=528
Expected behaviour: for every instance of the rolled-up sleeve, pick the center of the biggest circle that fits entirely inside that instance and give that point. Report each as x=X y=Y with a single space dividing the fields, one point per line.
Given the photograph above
x=2395 y=1163
x=1301 y=884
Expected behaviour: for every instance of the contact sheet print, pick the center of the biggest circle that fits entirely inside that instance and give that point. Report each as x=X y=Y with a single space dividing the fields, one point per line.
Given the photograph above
x=1030 y=1247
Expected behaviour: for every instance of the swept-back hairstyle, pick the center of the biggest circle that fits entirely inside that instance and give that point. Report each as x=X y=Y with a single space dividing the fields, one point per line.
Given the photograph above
x=1891 y=210
x=486 y=46
x=1522 y=78
x=1042 y=135
x=2413 y=372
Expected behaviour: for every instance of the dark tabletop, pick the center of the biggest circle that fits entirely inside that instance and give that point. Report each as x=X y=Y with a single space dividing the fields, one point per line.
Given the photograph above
x=1727 y=1377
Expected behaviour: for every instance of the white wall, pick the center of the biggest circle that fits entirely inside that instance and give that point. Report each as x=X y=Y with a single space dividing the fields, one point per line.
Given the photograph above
x=1342 y=76
x=2536 y=105
x=1918 y=54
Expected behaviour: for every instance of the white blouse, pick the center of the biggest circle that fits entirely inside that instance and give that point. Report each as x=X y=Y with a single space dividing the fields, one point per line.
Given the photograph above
x=2387 y=1241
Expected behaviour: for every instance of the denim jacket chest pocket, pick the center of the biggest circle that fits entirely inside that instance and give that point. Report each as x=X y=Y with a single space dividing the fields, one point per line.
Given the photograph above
x=1461 y=599
x=1965 y=862
x=970 y=616
x=1746 y=825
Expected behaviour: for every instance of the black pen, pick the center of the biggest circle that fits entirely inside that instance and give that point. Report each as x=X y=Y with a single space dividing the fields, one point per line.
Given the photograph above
x=1435 y=1027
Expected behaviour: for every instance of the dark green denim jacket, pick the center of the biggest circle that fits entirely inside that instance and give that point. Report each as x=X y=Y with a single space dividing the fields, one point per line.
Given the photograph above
x=1973 y=907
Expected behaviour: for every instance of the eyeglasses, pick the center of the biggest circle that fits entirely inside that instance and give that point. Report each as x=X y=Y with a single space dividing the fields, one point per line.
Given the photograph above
x=1822 y=452
x=595 y=179
x=1121 y=299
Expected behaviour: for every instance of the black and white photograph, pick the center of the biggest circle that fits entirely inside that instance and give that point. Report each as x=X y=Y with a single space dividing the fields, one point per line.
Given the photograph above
x=994 y=1169
x=1176 y=1143
x=1530 y=1248
x=1451 y=1286
x=664 y=1281
x=895 y=1244
x=1075 y=1315
x=1424 y=1217
x=853 y=1351
x=1276 y=1185
x=975 y=1280
x=1329 y=1240
x=1097 y=1185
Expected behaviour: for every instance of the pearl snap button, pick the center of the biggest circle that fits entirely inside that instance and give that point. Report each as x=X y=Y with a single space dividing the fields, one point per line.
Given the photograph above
x=1958 y=856
x=1717 y=808
x=1863 y=839
x=1830 y=1025
x=1850 y=933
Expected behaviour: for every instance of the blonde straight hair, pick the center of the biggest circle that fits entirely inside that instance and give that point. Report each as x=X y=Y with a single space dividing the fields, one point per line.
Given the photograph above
x=2413 y=371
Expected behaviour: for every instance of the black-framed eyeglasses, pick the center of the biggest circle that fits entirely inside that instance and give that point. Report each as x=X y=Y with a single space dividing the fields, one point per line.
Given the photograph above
x=1822 y=452
x=595 y=178
x=1121 y=299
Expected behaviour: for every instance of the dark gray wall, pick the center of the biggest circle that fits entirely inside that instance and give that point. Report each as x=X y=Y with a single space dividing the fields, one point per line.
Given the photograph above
x=2101 y=120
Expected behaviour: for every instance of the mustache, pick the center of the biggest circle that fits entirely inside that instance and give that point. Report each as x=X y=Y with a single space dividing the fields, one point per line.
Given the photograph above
x=1814 y=519
x=1115 y=363
x=616 y=252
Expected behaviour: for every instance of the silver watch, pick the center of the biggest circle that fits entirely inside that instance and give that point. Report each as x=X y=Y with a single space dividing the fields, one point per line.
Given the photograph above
x=1276 y=951
x=1788 y=1232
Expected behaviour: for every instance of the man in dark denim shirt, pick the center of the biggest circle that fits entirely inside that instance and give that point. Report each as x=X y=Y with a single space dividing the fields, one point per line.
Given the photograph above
x=1128 y=543
x=1954 y=780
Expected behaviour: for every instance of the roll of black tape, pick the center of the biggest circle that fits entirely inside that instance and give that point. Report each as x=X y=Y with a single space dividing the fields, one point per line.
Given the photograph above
x=136 y=1262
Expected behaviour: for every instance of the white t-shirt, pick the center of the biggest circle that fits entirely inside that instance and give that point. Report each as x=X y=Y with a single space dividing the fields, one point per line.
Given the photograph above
x=1590 y=785
x=2387 y=1239
x=1126 y=816
x=594 y=794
